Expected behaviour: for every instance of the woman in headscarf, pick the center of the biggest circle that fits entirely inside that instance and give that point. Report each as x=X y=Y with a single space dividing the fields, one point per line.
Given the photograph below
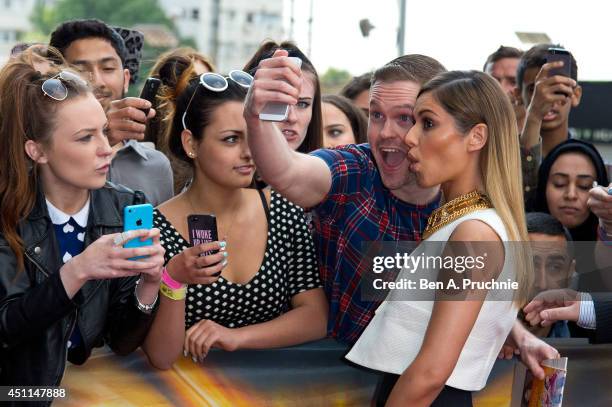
x=565 y=178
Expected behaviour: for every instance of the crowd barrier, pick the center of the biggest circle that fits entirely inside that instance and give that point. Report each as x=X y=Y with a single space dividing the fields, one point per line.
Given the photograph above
x=313 y=374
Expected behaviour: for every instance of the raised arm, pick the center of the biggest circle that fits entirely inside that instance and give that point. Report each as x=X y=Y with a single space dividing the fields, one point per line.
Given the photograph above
x=301 y=178
x=548 y=90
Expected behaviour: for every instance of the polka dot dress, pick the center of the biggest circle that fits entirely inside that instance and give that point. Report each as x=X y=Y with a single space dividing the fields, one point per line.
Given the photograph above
x=289 y=267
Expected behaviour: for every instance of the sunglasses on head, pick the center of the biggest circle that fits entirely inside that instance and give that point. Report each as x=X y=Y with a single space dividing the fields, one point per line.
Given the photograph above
x=218 y=83
x=55 y=88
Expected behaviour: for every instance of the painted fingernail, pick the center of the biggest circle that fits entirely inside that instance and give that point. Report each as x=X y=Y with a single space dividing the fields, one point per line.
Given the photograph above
x=185 y=353
x=224 y=263
x=222 y=244
x=225 y=254
x=195 y=360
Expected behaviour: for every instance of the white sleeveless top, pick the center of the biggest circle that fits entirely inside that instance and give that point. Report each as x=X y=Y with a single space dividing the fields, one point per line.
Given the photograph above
x=395 y=334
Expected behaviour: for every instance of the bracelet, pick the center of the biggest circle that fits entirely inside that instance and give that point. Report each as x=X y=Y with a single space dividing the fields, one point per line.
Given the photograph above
x=169 y=281
x=604 y=237
x=145 y=308
x=174 y=294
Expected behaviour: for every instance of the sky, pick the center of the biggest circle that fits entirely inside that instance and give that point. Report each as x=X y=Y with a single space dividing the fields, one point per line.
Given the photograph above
x=460 y=34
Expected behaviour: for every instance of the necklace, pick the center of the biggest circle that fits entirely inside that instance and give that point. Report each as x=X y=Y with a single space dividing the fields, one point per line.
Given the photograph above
x=454 y=209
x=233 y=217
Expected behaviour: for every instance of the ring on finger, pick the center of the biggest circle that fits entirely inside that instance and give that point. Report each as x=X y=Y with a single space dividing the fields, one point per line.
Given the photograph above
x=119 y=239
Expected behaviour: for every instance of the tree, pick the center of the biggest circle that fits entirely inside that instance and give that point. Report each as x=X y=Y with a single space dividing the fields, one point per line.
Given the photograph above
x=42 y=19
x=113 y=12
x=124 y=13
x=334 y=79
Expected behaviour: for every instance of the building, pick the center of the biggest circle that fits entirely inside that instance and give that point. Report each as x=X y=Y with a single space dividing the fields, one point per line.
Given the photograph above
x=228 y=31
x=14 y=24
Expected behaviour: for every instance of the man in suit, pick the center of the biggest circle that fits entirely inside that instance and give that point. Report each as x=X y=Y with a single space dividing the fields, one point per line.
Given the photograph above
x=585 y=309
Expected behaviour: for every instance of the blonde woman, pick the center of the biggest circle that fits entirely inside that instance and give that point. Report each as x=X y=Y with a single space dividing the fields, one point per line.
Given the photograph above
x=436 y=352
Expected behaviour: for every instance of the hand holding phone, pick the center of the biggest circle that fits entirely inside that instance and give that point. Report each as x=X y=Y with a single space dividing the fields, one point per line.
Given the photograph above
x=563 y=55
x=149 y=92
x=137 y=217
x=275 y=111
x=126 y=119
x=549 y=91
x=203 y=229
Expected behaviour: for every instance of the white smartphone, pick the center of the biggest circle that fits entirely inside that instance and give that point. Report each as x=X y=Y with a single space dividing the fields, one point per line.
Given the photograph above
x=276 y=111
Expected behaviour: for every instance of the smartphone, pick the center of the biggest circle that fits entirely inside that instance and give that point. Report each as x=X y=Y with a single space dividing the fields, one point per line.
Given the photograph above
x=560 y=54
x=149 y=91
x=275 y=111
x=138 y=217
x=202 y=229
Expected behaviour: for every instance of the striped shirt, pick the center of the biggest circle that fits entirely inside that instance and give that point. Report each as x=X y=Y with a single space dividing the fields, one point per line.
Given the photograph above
x=357 y=209
x=586 y=317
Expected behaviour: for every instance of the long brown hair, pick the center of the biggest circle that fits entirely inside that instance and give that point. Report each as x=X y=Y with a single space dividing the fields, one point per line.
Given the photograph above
x=174 y=68
x=473 y=97
x=355 y=116
x=25 y=114
x=314 y=134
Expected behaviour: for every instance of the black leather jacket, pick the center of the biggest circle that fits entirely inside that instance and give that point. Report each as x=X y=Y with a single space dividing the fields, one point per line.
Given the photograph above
x=37 y=317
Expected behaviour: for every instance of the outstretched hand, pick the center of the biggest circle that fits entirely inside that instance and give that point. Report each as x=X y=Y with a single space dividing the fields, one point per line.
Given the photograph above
x=277 y=79
x=551 y=306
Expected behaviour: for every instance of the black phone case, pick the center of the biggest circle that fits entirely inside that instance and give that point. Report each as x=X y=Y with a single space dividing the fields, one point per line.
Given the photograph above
x=566 y=70
x=149 y=91
x=202 y=229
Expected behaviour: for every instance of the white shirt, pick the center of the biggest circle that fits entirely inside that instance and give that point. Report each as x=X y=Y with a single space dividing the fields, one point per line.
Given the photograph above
x=586 y=317
x=392 y=340
x=59 y=218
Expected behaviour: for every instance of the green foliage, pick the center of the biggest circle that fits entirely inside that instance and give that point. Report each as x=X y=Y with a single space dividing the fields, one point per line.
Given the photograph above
x=334 y=79
x=43 y=18
x=125 y=13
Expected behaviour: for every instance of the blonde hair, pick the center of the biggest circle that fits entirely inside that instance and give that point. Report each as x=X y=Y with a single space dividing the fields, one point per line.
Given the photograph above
x=471 y=98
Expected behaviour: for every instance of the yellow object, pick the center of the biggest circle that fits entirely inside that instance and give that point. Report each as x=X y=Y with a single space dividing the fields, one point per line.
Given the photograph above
x=176 y=295
x=453 y=210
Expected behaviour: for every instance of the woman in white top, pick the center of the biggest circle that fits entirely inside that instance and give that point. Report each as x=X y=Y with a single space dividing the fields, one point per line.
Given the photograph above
x=438 y=352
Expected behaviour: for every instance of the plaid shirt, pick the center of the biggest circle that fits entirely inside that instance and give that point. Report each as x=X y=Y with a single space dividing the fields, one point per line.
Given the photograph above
x=357 y=209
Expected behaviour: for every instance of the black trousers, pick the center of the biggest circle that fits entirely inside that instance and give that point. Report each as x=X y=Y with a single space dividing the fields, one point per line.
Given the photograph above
x=448 y=397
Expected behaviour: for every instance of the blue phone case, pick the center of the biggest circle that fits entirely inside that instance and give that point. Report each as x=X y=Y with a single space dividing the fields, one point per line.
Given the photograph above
x=138 y=217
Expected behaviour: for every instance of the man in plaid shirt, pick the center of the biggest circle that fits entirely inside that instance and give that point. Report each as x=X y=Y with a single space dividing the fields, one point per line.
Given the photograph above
x=358 y=193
